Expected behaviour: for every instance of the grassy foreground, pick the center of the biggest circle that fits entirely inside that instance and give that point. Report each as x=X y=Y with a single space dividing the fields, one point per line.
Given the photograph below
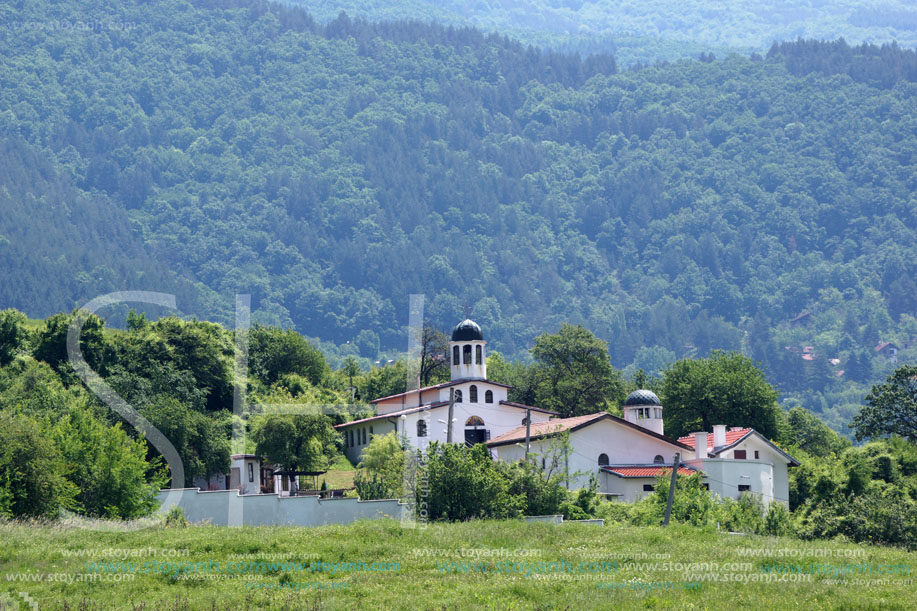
x=442 y=566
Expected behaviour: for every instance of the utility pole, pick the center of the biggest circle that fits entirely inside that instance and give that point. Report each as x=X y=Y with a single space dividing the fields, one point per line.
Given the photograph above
x=449 y=423
x=528 y=432
x=668 y=504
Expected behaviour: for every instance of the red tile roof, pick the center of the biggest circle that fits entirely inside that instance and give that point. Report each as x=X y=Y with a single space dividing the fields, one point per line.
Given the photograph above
x=538 y=429
x=559 y=425
x=646 y=471
x=731 y=438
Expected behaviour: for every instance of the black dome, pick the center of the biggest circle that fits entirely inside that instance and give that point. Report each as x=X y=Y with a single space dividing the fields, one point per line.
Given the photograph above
x=467 y=331
x=642 y=397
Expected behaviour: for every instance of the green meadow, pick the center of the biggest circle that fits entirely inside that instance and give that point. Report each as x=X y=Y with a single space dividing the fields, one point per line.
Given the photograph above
x=472 y=565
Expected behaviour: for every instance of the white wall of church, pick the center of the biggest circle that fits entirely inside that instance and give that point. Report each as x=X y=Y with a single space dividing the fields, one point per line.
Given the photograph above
x=622 y=444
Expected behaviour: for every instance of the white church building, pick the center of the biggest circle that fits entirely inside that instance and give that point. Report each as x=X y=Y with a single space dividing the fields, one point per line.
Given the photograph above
x=625 y=455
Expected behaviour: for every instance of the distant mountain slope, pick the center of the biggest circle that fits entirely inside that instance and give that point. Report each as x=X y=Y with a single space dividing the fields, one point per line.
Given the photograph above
x=649 y=30
x=60 y=246
x=330 y=171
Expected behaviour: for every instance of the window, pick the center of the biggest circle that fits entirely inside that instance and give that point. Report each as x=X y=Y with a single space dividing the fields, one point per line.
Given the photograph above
x=251 y=472
x=756 y=455
x=525 y=421
x=466 y=354
x=455 y=355
x=739 y=455
x=648 y=487
x=489 y=396
x=363 y=435
x=370 y=432
x=744 y=487
x=477 y=355
x=659 y=459
x=658 y=411
x=421 y=428
x=706 y=486
x=474 y=421
x=473 y=394
x=603 y=460
x=349 y=439
x=542 y=462
x=458 y=396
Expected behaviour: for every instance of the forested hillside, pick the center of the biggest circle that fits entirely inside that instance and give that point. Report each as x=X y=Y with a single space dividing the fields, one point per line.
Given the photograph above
x=332 y=170
x=650 y=30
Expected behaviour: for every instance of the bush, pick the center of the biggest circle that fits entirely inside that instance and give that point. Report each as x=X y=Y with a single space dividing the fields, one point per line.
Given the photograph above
x=381 y=471
x=175 y=518
x=744 y=515
x=777 y=520
x=464 y=483
x=32 y=481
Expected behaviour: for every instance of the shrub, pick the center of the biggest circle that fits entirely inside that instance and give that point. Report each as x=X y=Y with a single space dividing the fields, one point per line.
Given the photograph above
x=777 y=520
x=381 y=472
x=175 y=518
x=464 y=483
x=31 y=470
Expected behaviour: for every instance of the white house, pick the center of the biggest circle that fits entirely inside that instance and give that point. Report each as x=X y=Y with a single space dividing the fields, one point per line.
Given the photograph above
x=480 y=409
x=626 y=455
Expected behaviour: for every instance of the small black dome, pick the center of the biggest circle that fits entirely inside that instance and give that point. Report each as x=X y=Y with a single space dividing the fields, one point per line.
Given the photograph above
x=467 y=331
x=642 y=397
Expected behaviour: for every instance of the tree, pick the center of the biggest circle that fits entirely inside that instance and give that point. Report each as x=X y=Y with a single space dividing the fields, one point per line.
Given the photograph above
x=205 y=349
x=891 y=408
x=51 y=341
x=201 y=439
x=804 y=430
x=274 y=352
x=381 y=471
x=434 y=362
x=32 y=481
x=574 y=375
x=13 y=334
x=351 y=369
x=296 y=442
x=725 y=388
x=108 y=468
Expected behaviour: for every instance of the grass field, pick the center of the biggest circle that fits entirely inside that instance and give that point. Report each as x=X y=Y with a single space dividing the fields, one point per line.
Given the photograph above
x=442 y=566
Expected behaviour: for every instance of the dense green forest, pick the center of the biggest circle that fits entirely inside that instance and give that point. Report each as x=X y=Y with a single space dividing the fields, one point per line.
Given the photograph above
x=646 y=31
x=215 y=147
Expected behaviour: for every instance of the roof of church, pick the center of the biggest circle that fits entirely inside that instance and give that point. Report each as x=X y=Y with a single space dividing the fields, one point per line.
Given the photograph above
x=642 y=397
x=467 y=331
x=538 y=430
x=646 y=470
x=443 y=385
x=410 y=410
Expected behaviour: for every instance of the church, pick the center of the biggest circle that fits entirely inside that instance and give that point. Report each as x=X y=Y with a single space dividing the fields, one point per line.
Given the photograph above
x=624 y=455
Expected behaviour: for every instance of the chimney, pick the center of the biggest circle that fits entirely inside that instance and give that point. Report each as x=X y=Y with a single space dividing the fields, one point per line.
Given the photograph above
x=719 y=435
x=700 y=445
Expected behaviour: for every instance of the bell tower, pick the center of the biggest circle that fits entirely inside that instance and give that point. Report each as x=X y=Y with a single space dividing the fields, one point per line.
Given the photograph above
x=467 y=355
